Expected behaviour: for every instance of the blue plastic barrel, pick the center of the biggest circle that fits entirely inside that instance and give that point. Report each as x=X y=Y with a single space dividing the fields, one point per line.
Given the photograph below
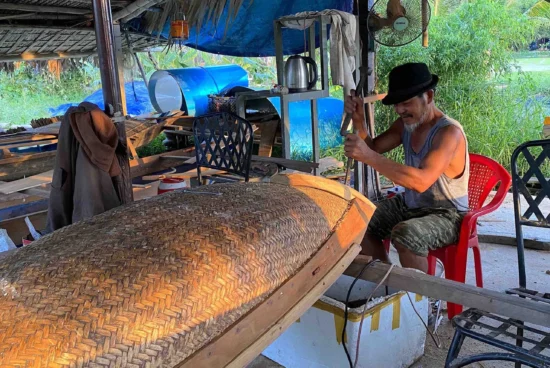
x=187 y=89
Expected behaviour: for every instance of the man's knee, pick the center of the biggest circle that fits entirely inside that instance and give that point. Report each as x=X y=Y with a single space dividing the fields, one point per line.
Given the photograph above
x=407 y=239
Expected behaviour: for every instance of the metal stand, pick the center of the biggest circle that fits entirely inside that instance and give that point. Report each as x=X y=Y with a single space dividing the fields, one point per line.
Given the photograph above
x=286 y=99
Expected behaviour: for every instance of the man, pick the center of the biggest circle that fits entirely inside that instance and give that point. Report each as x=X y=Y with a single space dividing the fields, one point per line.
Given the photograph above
x=435 y=174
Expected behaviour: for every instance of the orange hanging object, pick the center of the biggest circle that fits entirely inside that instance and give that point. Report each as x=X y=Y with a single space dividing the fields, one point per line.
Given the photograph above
x=179 y=29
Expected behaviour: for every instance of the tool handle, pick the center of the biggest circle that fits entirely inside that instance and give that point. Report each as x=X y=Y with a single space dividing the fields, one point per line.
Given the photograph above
x=346 y=119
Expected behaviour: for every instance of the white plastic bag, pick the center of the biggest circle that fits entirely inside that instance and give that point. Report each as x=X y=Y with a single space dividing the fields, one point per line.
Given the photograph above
x=5 y=241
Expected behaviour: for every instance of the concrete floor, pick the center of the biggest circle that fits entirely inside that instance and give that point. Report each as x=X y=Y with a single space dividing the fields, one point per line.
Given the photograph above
x=500 y=272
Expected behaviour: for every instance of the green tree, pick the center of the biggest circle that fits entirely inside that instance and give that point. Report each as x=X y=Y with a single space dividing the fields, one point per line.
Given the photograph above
x=471 y=49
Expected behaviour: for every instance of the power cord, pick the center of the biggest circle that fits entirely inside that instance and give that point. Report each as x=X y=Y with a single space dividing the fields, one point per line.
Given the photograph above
x=346 y=311
x=433 y=335
x=363 y=313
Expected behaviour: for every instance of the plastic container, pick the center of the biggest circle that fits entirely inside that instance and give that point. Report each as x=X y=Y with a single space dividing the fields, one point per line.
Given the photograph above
x=171 y=184
x=188 y=89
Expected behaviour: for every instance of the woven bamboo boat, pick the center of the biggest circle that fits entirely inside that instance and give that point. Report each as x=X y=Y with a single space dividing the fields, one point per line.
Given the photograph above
x=182 y=279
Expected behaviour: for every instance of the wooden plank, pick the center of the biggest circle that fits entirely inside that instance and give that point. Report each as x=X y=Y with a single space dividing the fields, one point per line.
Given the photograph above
x=27 y=183
x=374 y=98
x=23 y=208
x=22 y=166
x=134 y=153
x=18 y=201
x=455 y=292
x=267 y=138
x=157 y=163
x=246 y=331
x=25 y=137
x=29 y=144
x=296 y=312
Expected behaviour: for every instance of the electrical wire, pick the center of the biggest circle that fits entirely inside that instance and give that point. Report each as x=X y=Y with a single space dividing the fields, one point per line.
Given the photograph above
x=357 y=347
x=346 y=311
x=434 y=334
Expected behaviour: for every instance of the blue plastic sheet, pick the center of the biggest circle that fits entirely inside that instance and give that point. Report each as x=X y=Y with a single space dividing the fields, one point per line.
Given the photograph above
x=137 y=100
x=251 y=33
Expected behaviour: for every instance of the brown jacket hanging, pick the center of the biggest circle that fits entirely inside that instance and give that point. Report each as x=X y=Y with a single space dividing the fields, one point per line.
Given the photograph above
x=86 y=165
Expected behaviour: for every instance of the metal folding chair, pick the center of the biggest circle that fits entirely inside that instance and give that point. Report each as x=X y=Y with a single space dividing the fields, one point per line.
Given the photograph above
x=506 y=333
x=223 y=141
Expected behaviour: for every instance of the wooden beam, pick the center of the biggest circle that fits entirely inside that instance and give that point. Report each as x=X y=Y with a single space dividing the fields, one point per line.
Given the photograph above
x=248 y=355
x=18 y=16
x=267 y=138
x=455 y=292
x=44 y=9
x=134 y=9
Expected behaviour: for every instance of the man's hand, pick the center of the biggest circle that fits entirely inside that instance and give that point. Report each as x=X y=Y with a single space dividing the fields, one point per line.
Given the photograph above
x=356 y=148
x=354 y=105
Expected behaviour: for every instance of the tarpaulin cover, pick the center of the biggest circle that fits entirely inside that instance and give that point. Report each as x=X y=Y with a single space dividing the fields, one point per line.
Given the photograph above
x=251 y=33
x=137 y=100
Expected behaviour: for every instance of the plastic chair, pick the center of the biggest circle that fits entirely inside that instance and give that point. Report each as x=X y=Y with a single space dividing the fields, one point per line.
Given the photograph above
x=223 y=141
x=494 y=330
x=485 y=174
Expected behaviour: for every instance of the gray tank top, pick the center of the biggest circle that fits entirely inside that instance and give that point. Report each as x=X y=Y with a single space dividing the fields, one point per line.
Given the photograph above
x=445 y=192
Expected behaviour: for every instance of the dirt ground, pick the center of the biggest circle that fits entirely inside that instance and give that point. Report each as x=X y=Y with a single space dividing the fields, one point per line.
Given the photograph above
x=500 y=273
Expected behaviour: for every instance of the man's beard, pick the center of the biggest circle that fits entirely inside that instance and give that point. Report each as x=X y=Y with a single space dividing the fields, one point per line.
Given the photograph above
x=412 y=127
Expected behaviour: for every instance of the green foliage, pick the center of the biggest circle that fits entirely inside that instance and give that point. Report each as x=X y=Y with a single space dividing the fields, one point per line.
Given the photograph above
x=471 y=50
x=26 y=93
x=540 y=10
x=154 y=148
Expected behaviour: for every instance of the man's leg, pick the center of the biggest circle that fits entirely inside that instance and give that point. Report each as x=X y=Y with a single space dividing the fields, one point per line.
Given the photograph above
x=374 y=247
x=415 y=237
x=388 y=213
x=410 y=260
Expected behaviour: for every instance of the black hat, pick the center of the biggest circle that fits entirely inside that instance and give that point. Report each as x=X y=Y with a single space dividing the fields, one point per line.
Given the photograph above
x=409 y=80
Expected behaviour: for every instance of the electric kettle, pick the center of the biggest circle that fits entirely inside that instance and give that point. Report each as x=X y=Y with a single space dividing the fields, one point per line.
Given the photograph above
x=298 y=77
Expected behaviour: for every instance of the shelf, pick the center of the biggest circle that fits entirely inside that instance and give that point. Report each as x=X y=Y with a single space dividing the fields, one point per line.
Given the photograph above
x=290 y=97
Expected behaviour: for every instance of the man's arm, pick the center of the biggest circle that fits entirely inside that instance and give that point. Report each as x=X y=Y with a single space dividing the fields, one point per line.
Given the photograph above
x=444 y=147
x=386 y=141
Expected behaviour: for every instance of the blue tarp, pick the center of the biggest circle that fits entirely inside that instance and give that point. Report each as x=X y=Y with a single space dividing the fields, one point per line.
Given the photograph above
x=251 y=33
x=137 y=100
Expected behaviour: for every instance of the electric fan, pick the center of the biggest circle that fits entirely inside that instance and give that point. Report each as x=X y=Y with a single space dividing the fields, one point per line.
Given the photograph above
x=399 y=22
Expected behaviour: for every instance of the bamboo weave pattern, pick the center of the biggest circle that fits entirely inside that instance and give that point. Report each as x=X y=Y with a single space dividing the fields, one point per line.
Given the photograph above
x=148 y=284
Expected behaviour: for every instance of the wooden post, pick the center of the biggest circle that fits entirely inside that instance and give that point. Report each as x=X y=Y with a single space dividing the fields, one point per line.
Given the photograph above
x=368 y=58
x=112 y=90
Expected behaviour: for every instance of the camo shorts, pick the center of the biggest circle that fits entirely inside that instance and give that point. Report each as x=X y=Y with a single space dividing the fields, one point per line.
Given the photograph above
x=418 y=229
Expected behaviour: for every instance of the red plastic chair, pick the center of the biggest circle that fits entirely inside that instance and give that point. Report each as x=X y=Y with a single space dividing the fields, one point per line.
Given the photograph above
x=485 y=174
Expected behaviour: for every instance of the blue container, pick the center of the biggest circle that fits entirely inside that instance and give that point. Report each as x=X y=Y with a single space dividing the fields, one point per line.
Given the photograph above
x=187 y=89
x=330 y=112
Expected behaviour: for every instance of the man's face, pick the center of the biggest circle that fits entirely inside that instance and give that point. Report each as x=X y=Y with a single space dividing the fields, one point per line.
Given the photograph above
x=413 y=112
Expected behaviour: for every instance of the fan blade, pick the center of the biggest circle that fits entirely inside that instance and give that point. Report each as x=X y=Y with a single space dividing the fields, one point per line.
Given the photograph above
x=395 y=10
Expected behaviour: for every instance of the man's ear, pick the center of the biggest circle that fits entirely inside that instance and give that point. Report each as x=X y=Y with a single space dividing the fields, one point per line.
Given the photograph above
x=430 y=96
